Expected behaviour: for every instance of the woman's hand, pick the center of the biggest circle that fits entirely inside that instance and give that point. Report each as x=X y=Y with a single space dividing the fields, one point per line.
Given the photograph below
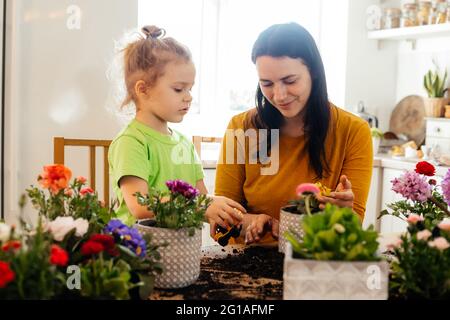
x=223 y=212
x=343 y=195
x=258 y=226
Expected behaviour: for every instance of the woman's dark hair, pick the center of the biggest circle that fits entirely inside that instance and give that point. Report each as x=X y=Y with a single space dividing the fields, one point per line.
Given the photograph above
x=293 y=41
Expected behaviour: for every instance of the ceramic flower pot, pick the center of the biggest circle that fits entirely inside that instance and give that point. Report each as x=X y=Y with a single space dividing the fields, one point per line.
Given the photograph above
x=434 y=107
x=289 y=221
x=334 y=280
x=180 y=256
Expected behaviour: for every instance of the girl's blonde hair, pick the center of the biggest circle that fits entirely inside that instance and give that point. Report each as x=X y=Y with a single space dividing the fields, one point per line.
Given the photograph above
x=145 y=58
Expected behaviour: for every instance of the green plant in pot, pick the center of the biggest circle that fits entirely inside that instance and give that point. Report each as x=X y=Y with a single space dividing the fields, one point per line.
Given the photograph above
x=377 y=135
x=179 y=215
x=306 y=203
x=339 y=256
x=435 y=85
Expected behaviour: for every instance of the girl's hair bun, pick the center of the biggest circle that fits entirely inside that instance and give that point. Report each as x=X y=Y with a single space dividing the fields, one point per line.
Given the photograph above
x=153 y=32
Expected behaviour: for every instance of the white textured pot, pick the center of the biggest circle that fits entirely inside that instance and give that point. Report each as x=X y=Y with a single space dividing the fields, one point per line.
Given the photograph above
x=180 y=258
x=334 y=280
x=288 y=221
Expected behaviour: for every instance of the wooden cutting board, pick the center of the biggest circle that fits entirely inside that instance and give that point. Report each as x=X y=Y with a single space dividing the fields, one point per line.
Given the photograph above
x=408 y=118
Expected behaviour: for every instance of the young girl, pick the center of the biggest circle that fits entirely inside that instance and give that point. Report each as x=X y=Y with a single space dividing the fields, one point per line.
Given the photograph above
x=159 y=75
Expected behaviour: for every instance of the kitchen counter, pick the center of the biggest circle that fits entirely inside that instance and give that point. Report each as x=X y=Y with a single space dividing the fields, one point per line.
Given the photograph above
x=387 y=161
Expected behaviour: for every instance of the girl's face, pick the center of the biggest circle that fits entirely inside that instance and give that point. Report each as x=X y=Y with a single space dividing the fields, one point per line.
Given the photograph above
x=170 y=98
x=285 y=82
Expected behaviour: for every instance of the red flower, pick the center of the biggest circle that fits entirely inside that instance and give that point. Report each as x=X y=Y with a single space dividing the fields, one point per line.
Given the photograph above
x=13 y=244
x=6 y=274
x=85 y=191
x=91 y=247
x=107 y=241
x=425 y=168
x=55 y=177
x=58 y=256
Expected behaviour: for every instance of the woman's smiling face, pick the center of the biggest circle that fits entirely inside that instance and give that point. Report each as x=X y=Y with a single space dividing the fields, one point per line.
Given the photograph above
x=285 y=82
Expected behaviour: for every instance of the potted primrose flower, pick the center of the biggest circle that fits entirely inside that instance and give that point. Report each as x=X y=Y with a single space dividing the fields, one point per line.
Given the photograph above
x=179 y=215
x=335 y=259
x=292 y=214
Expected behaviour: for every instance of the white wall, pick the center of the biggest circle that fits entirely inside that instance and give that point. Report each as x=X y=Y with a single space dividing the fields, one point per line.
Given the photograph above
x=57 y=83
x=371 y=71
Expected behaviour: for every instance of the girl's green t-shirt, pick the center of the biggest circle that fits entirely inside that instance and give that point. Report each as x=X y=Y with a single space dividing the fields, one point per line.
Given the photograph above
x=140 y=151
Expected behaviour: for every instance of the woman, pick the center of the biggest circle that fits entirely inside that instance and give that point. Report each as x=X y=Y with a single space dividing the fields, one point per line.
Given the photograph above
x=318 y=142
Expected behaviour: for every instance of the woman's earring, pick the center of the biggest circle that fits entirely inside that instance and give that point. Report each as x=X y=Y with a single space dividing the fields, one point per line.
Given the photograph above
x=263 y=101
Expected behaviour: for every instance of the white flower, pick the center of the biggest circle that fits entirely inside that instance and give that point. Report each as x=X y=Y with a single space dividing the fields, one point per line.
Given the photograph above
x=62 y=225
x=339 y=228
x=82 y=226
x=423 y=235
x=5 y=232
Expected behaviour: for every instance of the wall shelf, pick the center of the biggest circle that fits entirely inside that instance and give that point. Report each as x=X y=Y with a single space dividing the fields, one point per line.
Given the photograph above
x=411 y=33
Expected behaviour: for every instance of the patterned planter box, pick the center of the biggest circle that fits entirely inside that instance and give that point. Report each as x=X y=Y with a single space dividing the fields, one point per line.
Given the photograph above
x=180 y=257
x=334 y=280
x=288 y=221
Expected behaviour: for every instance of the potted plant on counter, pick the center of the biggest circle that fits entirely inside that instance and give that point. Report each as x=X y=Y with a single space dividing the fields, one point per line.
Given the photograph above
x=435 y=85
x=305 y=204
x=179 y=215
x=335 y=259
x=377 y=135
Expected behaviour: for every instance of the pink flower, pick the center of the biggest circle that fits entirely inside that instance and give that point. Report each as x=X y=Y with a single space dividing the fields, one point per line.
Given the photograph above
x=444 y=225
x=394 y=244
x=445 y=185
x=412 y=186
x=68 y=192
x=414 y=218
x=81 y=179
x=306 y=188
x=423 y=235
x=85 y=191
x=439 y=243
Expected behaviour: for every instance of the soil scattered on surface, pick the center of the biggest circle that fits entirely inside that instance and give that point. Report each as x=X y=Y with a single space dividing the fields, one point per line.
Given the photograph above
x=252 y=273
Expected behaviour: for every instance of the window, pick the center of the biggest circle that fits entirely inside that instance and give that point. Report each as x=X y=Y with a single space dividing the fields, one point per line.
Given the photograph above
x=220 y=34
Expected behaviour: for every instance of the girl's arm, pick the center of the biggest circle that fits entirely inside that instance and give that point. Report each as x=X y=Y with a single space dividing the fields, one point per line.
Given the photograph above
x=129 y=185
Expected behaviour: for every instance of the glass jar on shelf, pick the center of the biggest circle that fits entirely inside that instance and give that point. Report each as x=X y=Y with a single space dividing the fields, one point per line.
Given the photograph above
x=409 y=15
x=441 y=11
x=391 y=18
x=423 y=15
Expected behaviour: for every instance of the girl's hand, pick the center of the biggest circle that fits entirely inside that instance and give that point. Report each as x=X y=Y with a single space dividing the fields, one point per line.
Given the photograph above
x=259 y=226
x=343 y=195
x=223 y=212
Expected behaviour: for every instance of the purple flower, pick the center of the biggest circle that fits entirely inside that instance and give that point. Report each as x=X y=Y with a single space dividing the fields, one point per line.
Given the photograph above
x=183 y=188
x=445 y=185
x=130 y=237
x=412 y=186
x=116 y=226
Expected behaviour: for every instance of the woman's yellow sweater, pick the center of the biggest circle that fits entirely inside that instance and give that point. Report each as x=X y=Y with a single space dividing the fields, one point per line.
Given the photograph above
x=348 y=149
